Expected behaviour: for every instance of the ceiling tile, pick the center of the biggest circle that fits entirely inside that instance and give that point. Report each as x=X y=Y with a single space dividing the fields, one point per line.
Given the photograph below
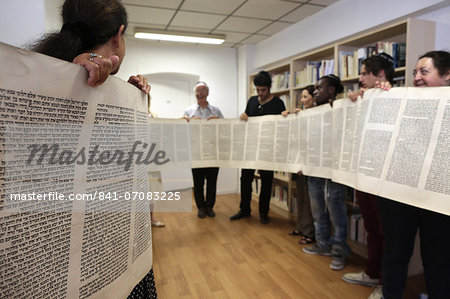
x=149 y=15
x=233 y=37
x=196 y=20
x=154 y=3
x=301 y=13
x=230 y=45
x=323 y=2
x=275 y=28
x=254 y=39
x=213 y=6
x=265 y=9
x=242 y=25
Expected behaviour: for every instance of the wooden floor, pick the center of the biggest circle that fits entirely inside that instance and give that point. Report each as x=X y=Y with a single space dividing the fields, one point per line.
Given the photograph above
x=217 y=258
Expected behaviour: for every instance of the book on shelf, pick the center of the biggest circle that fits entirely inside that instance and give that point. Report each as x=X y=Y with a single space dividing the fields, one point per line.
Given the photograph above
x=280 y=193
x=396 y=49
x=313 y=70
x=348 y=64
x=362 y=233
x=280 y=81
x=362 y=54
x=293 y=204
x=284 y=195
x=348 y=88
x=399 y=81
x=401 y=55
x=353 y=231
x=370 y=50
x=357 y=232
x=286 y=100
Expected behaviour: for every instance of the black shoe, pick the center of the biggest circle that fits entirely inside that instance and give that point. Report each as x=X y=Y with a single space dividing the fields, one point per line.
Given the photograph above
x=201 y=213
x=239 y=215
x=210 y=212
x=264 y=219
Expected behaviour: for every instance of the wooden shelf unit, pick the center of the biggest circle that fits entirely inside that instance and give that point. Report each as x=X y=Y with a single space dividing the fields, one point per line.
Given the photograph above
x=419 y=36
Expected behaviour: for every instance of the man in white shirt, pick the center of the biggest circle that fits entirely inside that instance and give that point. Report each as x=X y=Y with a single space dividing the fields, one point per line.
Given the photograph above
x=203 y=110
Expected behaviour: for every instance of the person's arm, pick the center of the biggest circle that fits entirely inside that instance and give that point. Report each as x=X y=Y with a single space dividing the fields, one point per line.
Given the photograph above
x=140 y=82
x=383 y=85
x=186 y=115
x=283 y=109
x=243 y=116
x=353 y=96
x=100 y=67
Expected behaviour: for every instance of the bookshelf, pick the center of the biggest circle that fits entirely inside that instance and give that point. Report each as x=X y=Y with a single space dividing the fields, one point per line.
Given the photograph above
x=413 y=35
x=281 y=191
x=416 y=36
x=307 y=68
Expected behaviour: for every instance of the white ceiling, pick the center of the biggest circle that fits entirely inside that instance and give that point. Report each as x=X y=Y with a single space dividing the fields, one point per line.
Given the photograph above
x=241 y=21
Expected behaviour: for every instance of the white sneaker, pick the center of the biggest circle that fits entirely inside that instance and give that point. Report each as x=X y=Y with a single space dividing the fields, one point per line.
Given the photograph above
x=360 y=278
x=377 y=293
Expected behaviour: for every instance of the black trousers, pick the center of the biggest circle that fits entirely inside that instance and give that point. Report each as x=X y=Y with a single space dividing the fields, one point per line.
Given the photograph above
x=247 y=176
x=200 y=175
x=400 y=224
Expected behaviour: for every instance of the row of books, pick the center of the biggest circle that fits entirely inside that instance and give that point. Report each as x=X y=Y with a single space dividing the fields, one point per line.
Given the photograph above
x=350 y=61
x=279 y=192
x=280 y=81
x=357 y=232
x=313 y=71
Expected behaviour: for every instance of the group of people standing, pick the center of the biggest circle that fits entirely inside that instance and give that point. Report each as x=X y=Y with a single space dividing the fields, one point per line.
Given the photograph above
x=322 y=210
x=391 y=226
x=93 y=36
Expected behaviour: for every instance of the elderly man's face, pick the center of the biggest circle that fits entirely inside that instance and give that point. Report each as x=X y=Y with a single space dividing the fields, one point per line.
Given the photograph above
x=201 y=92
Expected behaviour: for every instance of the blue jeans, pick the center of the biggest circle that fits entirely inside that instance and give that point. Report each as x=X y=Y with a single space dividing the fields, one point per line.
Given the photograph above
x=328 y=207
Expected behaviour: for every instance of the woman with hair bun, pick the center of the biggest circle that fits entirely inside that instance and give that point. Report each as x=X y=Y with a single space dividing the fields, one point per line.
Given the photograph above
x=92 y=35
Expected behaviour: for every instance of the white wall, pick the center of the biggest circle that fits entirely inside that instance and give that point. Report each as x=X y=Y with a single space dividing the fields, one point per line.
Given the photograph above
x=21 y=21
x=245 y=66
x=442 y=17
x=53 y=20
x=217 y=66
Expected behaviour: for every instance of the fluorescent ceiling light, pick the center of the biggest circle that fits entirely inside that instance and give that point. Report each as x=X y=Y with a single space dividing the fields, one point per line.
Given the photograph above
x=184 y=37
